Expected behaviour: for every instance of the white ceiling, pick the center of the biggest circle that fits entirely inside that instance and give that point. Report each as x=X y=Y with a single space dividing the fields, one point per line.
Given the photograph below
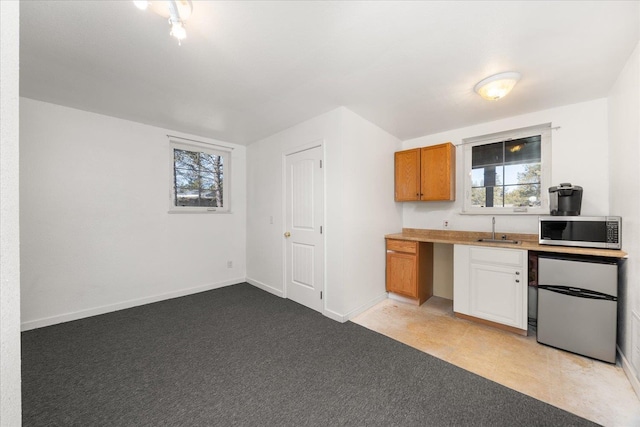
x=251 y=68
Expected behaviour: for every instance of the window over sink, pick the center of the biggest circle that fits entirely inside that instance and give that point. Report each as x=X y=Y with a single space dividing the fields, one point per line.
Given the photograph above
x=508 y=172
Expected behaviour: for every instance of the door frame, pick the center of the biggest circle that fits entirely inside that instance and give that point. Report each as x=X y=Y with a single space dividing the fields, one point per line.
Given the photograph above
x=297 y=149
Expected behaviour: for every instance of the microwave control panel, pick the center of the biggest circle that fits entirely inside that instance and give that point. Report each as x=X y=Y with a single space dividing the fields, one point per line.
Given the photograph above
x=612 y=231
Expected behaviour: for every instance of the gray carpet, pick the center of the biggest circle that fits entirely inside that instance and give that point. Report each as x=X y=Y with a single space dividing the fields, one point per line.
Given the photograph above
x=240 y=356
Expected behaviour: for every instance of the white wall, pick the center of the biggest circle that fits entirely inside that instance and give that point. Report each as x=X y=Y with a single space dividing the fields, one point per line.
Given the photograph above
x=624 y=136
x=265 y=197
x=10 y=402
x=359 y=208
x=579 y=155
x=96 y=235
x=368 y=211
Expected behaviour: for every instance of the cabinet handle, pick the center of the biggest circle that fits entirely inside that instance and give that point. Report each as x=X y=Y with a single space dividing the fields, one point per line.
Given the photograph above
x=517 y=273
x=517 y=281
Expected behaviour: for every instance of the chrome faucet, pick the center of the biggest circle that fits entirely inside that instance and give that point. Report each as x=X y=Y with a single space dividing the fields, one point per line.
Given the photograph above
x=493 y=235
x=493 y=228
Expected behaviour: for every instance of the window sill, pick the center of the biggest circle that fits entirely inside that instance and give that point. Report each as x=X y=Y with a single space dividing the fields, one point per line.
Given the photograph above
x=489 y=211
x=197 y=211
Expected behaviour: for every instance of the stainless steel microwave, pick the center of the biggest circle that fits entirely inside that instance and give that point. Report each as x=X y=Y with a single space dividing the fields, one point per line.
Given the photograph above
x=585 y=231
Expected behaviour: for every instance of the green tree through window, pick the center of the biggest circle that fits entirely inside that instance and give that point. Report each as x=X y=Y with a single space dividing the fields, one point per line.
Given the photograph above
x=507 y=173
x=198 y=178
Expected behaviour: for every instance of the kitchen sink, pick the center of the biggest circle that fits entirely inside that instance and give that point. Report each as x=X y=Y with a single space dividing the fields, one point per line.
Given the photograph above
x=512 y=242
x=493 y=239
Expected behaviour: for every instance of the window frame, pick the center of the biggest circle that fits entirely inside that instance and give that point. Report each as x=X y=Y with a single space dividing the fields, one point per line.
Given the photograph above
x=544 y=130
x=201 y=147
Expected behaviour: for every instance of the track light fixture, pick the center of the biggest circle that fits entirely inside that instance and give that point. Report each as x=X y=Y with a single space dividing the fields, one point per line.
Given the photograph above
x=177 y=11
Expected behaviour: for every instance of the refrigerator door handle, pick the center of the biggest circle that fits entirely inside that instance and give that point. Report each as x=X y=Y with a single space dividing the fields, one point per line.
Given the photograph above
x=578 y=292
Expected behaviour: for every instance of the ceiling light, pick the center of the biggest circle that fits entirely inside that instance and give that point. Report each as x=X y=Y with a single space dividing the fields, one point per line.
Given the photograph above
x=497 y=86
x=176 y=10
x=141 y=4
x=178 y=31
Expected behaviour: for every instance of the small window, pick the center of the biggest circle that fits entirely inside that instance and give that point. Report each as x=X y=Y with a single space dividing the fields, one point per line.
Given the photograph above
x=200 y=177
x=508 y=172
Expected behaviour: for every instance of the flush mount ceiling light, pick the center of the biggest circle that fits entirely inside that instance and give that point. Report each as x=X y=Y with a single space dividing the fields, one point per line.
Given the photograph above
x=497 y=86
x=177 y=11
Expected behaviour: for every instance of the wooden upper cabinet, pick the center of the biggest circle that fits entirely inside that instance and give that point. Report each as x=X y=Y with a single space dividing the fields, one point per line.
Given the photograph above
x=407 y=175
x=426 y=174
x=438 y=172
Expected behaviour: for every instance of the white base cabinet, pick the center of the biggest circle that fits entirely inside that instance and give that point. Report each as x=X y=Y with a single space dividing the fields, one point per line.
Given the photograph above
x=491 y=284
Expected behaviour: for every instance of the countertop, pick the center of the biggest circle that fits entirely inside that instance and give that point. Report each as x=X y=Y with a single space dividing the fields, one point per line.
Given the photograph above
x=527 y=242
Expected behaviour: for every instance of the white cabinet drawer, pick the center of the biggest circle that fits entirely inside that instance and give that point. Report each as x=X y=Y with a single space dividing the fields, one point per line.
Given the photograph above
x=514 y=257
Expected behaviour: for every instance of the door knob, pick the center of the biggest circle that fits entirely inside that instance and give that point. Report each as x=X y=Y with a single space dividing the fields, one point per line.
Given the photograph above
x=287 y=234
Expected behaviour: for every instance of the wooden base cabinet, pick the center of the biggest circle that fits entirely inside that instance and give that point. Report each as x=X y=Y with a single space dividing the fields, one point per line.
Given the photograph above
x=491 y=284
x=410 y=269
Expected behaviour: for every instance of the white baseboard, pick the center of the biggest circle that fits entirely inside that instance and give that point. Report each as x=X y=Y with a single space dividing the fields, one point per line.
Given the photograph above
x=328 y=313
x=629 y=372
x=366 y=306
x=353 y=313
x=260 y=285
x=403 y=299
x=81 y=314
x=335 y=316
x=278 y=292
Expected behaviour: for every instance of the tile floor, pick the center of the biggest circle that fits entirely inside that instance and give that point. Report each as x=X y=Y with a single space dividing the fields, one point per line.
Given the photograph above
x=594 y=390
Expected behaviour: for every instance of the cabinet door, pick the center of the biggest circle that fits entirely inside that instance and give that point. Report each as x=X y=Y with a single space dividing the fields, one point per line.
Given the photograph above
x=438 y=165
x=407 y=175
x=496 y=294
x=402 y=274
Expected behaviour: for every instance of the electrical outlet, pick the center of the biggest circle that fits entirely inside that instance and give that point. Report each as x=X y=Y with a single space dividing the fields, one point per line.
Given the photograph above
x=445 y=223
x=229 y=264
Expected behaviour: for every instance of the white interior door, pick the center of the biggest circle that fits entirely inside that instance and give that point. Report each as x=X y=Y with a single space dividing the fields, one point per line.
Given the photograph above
x=304 y=240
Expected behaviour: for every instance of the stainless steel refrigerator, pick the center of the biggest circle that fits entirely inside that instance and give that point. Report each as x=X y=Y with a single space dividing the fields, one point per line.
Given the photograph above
x=577 y=305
